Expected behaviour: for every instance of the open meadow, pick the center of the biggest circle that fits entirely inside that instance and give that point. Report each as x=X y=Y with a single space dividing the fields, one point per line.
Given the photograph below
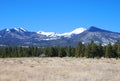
x=59 y=69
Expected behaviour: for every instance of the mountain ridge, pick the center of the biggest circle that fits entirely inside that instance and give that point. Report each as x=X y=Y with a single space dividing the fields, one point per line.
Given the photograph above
x=66 y=34
x=22 y=37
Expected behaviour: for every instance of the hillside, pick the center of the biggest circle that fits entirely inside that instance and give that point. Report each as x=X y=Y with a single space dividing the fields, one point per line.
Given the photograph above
x=22 y=37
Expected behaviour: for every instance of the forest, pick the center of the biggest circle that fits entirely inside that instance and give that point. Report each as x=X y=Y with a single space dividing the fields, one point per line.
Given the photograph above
x=91 y=50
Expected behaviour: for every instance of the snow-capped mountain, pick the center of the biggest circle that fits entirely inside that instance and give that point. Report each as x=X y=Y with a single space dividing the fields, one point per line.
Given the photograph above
x=15 y=29
x=22 y=37
x=50 y=34
x=20 y=29
x=76 y=31
x=97 y=35
x=68 y=34
x=13 y=33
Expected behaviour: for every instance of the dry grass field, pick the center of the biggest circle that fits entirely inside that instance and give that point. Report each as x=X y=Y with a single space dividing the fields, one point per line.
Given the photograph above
x=59 y=69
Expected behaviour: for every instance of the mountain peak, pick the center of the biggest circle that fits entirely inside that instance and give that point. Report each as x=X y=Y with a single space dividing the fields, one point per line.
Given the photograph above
x=19 y=36
x=67 y=34
x=47 y=33
x=6 y=30
x=78 y=30
x=95 y=29
x=15 y=30
x=19 y=29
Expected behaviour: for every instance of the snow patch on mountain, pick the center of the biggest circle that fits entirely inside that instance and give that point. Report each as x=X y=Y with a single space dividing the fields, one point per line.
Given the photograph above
x=68 y=34
x=50 y=34
x=76 y=31
x=20 y=29
x=7 y=30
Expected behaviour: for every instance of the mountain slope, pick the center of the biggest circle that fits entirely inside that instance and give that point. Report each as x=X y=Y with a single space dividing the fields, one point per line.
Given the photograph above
x=67 y=34
x=22 y=37
x=97 y=35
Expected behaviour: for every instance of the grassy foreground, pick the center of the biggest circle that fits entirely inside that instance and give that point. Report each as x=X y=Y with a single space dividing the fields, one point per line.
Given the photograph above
x=59 y=69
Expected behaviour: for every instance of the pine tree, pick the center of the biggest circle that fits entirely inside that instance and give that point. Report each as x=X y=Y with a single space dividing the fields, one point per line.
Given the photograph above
x=100 y=52
x=87 y=51
x=61 y=52
x=108 y=51
x=94 y=49
x=52 y=52
x=79 y=50
x=118 y=51
x=47 y=51
x=72 y=52
x=68 y=51
x=55 y=51
x=114 y=50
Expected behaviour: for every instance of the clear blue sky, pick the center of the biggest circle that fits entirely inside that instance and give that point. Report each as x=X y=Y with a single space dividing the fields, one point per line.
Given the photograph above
x=60 y=15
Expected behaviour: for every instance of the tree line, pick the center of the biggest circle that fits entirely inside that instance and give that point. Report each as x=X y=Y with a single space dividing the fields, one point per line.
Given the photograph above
x=91 y=50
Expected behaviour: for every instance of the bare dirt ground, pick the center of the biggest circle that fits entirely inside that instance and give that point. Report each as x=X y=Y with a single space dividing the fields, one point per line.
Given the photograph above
x=59 y=69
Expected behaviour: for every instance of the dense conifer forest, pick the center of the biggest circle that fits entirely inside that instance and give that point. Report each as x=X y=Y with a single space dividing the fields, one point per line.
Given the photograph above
x=91 y=50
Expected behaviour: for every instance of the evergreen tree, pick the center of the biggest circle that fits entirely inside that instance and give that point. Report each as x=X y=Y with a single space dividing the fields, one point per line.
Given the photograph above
x=100 y=52
x=52 y=52
x=87 y=51
x=108 y=51
x=79 y=50
x=118 y=51
x=72 y=52
x=55 y=54
x=68 y=51
x=61 y=52
x=93 y=50
x=90 y=51
x=114 y=50
x=46 y=51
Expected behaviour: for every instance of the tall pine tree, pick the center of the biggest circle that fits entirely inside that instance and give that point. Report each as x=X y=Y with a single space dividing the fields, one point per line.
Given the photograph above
x=108 y=51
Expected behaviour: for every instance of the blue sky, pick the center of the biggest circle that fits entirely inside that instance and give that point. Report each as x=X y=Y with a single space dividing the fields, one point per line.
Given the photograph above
x=60 y=15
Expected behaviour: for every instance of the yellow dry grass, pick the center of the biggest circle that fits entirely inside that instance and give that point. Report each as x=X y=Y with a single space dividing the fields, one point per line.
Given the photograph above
x=59 y=69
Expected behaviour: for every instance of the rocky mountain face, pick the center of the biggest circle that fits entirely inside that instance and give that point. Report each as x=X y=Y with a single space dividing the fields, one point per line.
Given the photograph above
x=97 y=35
x=22 y=37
